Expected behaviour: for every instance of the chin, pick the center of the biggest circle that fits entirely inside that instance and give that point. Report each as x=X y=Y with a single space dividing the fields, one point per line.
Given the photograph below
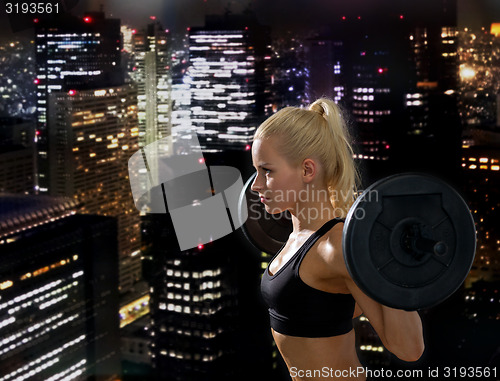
x=274 y=209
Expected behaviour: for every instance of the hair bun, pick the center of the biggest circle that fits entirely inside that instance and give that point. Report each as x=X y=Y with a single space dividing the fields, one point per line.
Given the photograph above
x=317 y=107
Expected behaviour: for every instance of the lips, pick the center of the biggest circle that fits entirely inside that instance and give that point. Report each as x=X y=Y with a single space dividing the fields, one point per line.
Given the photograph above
x=263 y=199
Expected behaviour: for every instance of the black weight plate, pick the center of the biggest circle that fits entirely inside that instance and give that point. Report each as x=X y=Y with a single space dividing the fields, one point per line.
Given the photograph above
x=267 y=232
x=372 y=241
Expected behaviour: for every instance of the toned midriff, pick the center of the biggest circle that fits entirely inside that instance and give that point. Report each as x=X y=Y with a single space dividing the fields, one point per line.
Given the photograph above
x=330 y=354
x=303 y=355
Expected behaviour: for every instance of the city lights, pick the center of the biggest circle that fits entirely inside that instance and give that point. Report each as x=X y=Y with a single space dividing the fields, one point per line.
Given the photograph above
x=495 y=29
x=467 y=72
x=222 y=82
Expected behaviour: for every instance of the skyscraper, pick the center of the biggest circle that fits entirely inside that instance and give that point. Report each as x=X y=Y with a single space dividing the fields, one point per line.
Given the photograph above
x=154 y=85
x=181 y=94
x=431 y=105
x=325 y=60
x=372 y=75
x=86 y=123
x=58 y=291
x=194 y=307
x=230 y=78
x=207 y=323
x=71 y=53
x=93 y=133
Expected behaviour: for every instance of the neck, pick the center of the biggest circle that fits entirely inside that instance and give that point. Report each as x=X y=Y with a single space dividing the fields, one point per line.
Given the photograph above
x=311 y=214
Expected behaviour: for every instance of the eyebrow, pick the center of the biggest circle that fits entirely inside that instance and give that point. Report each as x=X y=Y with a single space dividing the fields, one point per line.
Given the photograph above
x=262 y=164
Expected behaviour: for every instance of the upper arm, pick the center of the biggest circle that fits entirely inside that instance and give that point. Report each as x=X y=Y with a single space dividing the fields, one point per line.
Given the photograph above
x=370 y=308
x=364 y=304
x=404 y=328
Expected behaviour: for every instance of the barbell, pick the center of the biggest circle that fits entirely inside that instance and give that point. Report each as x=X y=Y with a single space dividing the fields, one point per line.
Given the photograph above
x=408 y=240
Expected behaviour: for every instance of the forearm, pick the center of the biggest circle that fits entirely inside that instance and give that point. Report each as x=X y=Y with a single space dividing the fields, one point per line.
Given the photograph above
x=403 y=333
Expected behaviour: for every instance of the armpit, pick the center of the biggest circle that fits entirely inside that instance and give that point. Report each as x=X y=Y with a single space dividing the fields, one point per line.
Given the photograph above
x=357 y=311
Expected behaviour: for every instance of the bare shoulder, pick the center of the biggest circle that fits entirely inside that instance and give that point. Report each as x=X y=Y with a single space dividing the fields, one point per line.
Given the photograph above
x=330 y=252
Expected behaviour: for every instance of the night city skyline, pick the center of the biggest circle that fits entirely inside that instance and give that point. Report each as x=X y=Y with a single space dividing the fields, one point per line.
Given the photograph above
x=81 y=93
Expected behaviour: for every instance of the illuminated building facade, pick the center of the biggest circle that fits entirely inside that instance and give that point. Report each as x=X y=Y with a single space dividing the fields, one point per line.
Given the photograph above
x=230 y=80
x=431 y=103
x=435 y=56
x=372 y=75
x=154 y=85
x=71 y=53
x=93 y=133
x=481 y=172
x=128 y=38
x=193 y=308
x=58 y=292
x=181 y=91
x=325 y=63
x=290 y=73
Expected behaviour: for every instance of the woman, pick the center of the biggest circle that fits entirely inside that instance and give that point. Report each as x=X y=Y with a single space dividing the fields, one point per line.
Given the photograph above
x=305 y=165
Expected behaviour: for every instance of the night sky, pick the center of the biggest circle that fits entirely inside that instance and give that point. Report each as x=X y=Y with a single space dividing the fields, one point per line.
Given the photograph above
x=281 y=15
x=291 y=14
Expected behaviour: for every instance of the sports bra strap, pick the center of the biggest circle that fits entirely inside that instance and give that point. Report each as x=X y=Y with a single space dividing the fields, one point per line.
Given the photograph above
x=314 y=237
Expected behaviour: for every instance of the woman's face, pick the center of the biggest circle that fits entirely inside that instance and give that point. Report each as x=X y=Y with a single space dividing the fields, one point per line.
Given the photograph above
x=277 y=182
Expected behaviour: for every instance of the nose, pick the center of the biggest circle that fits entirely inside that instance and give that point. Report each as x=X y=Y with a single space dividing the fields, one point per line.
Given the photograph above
x=257 y=183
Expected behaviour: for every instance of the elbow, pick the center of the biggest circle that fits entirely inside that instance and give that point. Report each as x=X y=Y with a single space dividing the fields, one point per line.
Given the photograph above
x=415 y=355
x=406 y=348
x=411 y=353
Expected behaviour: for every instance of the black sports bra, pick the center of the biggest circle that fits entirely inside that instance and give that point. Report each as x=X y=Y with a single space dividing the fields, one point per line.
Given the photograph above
x=297 y=309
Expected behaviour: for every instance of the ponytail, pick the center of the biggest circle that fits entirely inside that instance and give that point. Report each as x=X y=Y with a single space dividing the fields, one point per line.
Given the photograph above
x=319 y=132
x=340 y=171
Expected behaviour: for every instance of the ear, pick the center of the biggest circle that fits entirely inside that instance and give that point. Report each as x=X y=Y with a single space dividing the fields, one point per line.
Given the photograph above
x=309 y=170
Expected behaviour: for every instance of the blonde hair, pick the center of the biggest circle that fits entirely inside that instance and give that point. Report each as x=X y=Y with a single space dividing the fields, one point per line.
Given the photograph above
x=318 y=132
